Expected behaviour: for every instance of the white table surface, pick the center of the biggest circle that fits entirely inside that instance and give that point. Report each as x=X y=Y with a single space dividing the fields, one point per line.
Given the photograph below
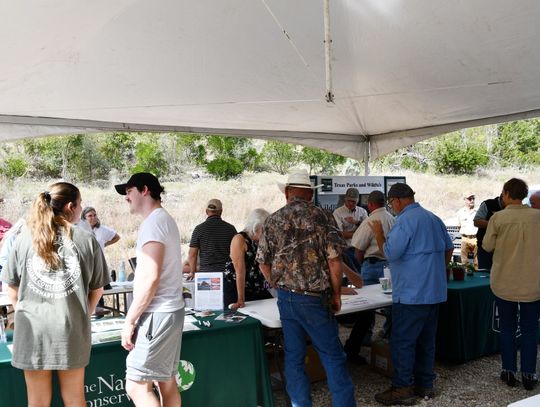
x=533 y=401
x=369 y=297
x=4 y=299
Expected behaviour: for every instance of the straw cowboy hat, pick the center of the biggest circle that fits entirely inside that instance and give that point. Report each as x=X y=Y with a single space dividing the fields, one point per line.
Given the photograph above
x=298 y=179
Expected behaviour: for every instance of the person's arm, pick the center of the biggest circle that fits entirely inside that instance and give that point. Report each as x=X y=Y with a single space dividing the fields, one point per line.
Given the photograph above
x=353 y=277
x=266 y=271
x=115 y=239
x=359 y=254
x=238 y=257
x=13 y=294
x=149 y=265
x=192 y=260
x=93 y=299
x=348 y=234
x=480 y=217
x=336 y=272
x=481 y=223
x=448 y=256
x=378 y=234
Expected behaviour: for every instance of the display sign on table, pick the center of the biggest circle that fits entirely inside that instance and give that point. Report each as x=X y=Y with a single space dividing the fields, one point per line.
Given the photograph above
x=208 y=291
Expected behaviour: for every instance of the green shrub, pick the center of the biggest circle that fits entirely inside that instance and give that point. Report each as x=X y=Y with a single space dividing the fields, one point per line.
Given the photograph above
x=457 y=155
x=14 y=167
x=224 y=168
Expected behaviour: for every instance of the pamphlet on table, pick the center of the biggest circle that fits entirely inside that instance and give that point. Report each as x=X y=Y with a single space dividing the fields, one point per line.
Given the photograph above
x=208 y=291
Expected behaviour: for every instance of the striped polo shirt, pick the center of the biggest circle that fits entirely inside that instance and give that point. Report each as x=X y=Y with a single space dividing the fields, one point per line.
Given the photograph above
x=213 y=239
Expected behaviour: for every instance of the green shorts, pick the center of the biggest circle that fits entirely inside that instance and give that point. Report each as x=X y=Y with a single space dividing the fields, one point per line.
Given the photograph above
x=158 y=339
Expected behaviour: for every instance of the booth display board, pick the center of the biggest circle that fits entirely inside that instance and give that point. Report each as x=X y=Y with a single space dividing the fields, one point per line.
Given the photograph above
x=330 y=195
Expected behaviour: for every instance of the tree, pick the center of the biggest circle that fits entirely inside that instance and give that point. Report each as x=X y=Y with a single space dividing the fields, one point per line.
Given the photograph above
x=456 y=154
x=117 y=150
x=321 y=161
x=518 y=143
x=279 y=156
x=149 y=158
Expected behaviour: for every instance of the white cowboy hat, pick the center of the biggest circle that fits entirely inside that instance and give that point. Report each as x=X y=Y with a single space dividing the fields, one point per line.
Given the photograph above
x=298 y=179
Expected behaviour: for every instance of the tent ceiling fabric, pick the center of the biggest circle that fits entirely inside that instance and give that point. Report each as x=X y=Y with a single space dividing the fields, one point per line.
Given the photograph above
x=402 y=70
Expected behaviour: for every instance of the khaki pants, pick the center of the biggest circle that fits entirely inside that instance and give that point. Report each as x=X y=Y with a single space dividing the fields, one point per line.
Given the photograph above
x=469 y=245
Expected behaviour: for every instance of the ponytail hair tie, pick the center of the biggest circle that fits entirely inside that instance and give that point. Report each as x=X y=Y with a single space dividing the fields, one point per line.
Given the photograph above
x=47 y=196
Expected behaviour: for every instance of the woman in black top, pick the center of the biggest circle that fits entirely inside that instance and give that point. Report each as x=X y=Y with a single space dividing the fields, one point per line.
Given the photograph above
x=243 y=280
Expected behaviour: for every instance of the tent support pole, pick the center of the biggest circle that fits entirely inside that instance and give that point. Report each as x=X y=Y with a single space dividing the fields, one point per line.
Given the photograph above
x=366 y=157
x=329 y=96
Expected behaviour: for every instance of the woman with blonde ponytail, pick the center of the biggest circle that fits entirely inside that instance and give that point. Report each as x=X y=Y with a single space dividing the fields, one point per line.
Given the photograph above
x=55 y=276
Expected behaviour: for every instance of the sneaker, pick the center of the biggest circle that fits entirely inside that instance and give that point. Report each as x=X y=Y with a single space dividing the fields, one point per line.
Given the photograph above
x=509 y=378
x=424 y=392
x=396 y=395
x=530 y=380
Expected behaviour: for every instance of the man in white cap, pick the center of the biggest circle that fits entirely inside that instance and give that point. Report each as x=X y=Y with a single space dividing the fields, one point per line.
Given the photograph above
x=211 y=241
x=300 y=254
x=467 y=230
x=348 y=217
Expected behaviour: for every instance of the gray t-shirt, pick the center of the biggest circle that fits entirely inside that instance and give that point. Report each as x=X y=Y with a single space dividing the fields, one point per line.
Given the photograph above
x=52 y=321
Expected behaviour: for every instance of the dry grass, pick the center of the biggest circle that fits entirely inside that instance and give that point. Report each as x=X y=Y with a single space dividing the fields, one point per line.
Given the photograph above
x=186 y=199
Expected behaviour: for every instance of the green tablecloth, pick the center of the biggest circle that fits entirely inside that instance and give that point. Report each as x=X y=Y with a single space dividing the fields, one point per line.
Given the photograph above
x=467 y=323
x=229 y=361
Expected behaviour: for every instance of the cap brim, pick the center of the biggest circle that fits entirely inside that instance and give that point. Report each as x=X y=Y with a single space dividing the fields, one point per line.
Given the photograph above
x=121 y=189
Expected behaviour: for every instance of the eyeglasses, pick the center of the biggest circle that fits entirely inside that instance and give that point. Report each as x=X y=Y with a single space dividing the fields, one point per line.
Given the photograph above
x=390 y=200
x=470 y=198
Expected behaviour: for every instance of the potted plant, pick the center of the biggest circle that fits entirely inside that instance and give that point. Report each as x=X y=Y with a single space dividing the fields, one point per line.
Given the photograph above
x=458 y=271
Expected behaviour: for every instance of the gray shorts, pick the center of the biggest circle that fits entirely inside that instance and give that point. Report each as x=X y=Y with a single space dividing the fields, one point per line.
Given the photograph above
x=158 y=338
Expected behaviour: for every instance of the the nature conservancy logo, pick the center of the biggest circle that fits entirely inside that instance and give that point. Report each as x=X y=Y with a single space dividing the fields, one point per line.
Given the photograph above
x=106 y=391
x=60 y=282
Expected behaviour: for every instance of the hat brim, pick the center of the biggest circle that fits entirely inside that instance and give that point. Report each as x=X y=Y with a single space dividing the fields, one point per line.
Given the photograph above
x=121 y=189
x=282 y=186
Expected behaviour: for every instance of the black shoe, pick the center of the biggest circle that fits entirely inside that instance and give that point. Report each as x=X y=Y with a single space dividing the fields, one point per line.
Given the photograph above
x=529 y=380
x=509 y=378
x=424 y=392
x=356 y=359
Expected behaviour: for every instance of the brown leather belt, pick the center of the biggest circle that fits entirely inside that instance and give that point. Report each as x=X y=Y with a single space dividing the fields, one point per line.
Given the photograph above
x=469 y=236
x=301 y=292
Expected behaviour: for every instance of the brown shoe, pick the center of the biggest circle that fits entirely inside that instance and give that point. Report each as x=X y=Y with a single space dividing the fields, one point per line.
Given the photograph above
x=396 y=395
x=424 y=392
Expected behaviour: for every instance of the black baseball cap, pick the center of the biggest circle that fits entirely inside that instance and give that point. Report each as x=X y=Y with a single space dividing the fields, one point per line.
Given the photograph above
x=400 y=190
x=139 y=180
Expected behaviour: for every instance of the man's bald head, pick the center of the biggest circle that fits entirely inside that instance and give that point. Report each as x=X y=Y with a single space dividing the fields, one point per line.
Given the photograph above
x=535 y=200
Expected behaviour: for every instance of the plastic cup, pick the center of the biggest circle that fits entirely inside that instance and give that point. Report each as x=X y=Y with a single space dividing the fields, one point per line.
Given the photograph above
x=386 y=284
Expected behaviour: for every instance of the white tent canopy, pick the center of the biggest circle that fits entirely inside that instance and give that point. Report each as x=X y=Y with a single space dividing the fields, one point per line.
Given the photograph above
x=399 y=70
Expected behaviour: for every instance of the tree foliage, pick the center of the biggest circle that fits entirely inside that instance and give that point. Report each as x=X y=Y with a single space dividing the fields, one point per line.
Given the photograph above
x=321 y=161
x=279 y=156
x=456 y=154
x=518 y=143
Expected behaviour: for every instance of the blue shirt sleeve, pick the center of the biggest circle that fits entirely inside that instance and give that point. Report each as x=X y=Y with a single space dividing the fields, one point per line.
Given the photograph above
x=396 y=243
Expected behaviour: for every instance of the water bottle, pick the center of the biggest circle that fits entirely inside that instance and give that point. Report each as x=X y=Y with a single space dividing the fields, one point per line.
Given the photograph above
x=122 y=272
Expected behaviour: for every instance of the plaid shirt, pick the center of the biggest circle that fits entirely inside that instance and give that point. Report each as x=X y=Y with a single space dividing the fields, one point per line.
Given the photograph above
x=297 y=242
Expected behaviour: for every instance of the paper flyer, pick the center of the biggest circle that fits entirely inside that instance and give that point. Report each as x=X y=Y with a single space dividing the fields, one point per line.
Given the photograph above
x=208 y=291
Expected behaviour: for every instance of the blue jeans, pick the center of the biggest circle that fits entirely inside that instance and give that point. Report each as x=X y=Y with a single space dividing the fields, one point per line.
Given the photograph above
x=414 y=328
x=528 y=312
x=303 y=316
x=371 y=272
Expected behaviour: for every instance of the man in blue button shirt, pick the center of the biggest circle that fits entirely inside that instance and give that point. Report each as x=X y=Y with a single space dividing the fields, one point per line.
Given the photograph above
x=418 y=249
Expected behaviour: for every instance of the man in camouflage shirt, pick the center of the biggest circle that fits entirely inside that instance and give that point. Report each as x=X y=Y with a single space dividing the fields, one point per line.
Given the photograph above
x=300 y=254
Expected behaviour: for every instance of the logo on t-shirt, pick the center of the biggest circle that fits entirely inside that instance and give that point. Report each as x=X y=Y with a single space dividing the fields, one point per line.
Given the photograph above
x=60 y=281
